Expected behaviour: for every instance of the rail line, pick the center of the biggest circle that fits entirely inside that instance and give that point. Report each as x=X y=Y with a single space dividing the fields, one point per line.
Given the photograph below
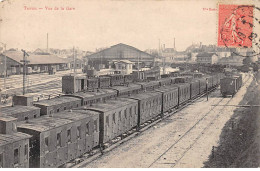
x=212 y=121
x=144 y=127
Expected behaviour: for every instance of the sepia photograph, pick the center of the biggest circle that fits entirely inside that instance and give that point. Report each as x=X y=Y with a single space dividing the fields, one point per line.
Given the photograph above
x=129 y=84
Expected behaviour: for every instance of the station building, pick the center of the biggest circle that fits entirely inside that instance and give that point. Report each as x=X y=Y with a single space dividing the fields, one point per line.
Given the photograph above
x=102 y=59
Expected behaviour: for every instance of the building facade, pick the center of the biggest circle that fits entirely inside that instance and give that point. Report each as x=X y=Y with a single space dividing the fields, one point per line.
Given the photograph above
x=207 y=58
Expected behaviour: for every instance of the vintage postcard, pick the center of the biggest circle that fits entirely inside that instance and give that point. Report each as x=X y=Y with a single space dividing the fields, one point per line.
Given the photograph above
x=129 y=84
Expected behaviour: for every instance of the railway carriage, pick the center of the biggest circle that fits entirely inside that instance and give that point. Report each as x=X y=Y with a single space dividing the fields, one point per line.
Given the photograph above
x=104 y=82
x=127 y=90
x=116 y=117
x=115 y=79
x=128 y=78
x=14 y=146
x=149 y=105
x=58 y=139
x=169 y=97
x=92 y=83
x=165 y=81
x=147 y=86
x=88 y=98
x=229 y=86
x=57 y=104
x=194 y=88
x=183 y=92
x=21 y=112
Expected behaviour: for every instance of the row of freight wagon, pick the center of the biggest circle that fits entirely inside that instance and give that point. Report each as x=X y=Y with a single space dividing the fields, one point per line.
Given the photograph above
x=50 y=133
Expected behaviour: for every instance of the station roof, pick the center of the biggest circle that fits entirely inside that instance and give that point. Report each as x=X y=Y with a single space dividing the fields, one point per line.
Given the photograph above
x=35 y=59
x=57 y=101
x=17 y=109
x=11 y=138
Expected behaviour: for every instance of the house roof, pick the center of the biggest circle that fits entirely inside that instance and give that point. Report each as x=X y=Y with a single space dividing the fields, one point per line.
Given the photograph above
x=206 y=54
x=124 y=61
x=35 y=59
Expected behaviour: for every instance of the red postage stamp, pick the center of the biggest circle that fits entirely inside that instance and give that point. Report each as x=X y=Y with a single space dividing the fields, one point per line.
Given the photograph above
x=235 y=25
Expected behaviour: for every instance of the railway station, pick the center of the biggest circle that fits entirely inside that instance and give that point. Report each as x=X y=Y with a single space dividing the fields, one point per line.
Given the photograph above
x=166 y=97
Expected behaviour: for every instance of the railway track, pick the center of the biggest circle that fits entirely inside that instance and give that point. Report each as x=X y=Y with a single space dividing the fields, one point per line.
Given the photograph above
x=85 y=160
x=211 y=111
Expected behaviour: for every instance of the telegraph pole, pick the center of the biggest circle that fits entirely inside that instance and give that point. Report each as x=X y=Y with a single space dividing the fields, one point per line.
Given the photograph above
x=74 y=61
x=25 y=62
x=5 y=69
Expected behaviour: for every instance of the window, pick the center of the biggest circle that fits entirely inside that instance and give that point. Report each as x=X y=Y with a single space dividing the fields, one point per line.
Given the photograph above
x=120 y=117
x=130 y=111
x=16 y=156
x=46 y=140
x=78 y=131
x=59 y=139
x=77 y=105
x=135 y=110
x=1 y=160
x=95 y=126
x=87 y=128
x=26 y=152
x=125 y=114
x=58 y=110
x=34 y=116
x=69 y=135
x=26 y=118
x=107 y=121
x=64 y=108
x=114 y=117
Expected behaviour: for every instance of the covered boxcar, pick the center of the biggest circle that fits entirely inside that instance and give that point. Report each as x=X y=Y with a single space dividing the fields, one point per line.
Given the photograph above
x=21 y=112
x=14 y=146
x=58 y=139
x=116 y=117
x=169 y=97
x=194 y=88
x=57 y=104
x=149 y=105
x=92 y=83
x=115 y=79
x=92 y=97
x=128 y=78
x=228 y=86
x=104 y=82
x=165 y=81
x=184 y=92
x=150 y=85
x=127 y=90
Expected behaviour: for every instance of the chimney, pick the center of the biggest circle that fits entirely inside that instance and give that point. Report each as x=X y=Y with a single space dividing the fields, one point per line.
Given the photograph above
x=174 y=43
x=49 y=97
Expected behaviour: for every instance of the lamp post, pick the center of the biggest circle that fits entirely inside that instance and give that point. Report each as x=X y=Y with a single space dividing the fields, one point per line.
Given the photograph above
x=4 y=65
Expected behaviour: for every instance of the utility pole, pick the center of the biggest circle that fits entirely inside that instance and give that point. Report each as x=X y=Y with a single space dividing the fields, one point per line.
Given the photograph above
x=207 y=82
x=25 y=62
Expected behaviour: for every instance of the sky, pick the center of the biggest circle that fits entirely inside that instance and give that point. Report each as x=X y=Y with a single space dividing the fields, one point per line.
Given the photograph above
x=96 y=24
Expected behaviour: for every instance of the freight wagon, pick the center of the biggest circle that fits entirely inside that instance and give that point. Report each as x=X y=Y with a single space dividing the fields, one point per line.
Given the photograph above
x=14 y=146
x=57 y=104
x=127 y=90
x=21 y=112
x=228 y=86
x=103 y=82
x=149 y=105
x=58 y=139
x=116 y=117
x=88 y=98
x=169 y=97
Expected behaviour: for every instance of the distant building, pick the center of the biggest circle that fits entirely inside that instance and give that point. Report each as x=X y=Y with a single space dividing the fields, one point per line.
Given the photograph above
x=233 y=61
x=124 y=66
x=38 y=63
x=207 y=58
x=120 y=52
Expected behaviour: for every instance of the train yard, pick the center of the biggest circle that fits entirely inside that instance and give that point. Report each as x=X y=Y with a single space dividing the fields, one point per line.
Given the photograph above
x=185 y=139
x=89 y=116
